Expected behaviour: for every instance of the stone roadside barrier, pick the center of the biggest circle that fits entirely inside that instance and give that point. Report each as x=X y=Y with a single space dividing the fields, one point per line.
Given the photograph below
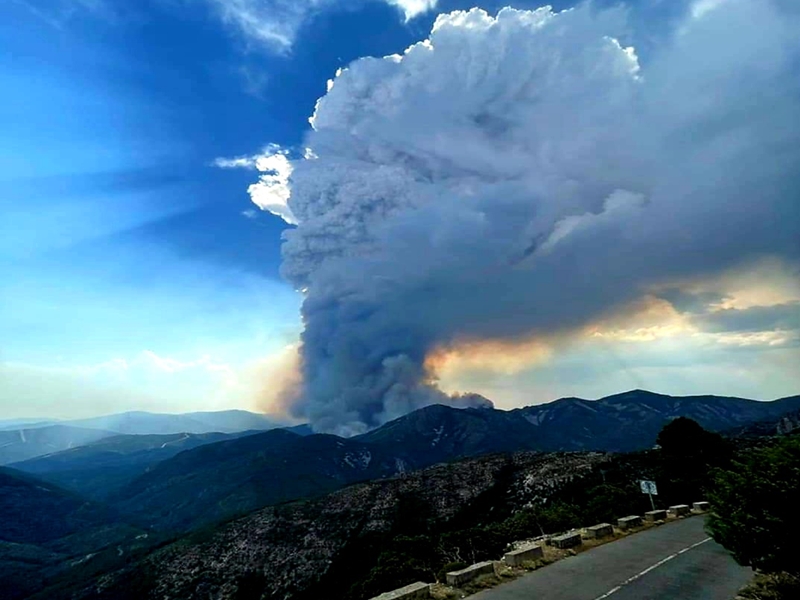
x=458 y=578
x=410 y=592
x=517 y=557
x=568 y=540
x=629 y=522
x=679 y=510
x=656 y=515
x=531 y=553
x=599 y=531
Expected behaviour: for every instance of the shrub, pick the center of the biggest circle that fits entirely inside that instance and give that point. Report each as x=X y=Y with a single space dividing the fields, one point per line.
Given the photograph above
x=755 y=508
x=441 y=576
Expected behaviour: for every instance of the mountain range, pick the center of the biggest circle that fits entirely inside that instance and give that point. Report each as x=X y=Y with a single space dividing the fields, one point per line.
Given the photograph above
x=631 y=420
x=144 y=423
x=182 y=482
x=99 y=469
x=22 y=444
x=21 y=439
x=113 y=496
x=217 y=481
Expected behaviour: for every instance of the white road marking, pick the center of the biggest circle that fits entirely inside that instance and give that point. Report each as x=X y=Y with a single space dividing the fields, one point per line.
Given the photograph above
x=650 y=568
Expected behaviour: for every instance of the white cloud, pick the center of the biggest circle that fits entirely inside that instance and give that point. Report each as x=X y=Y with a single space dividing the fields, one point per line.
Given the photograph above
x=271 y=193
x=413 y=8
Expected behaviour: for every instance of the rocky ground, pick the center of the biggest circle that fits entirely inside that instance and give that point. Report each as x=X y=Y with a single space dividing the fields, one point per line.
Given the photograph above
x=288 y=549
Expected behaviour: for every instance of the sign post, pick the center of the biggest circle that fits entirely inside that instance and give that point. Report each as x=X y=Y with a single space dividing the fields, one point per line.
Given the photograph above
x=649 y=488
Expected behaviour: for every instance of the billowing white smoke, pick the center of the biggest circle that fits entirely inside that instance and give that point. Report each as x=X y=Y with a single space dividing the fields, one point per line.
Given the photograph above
x=522 y=175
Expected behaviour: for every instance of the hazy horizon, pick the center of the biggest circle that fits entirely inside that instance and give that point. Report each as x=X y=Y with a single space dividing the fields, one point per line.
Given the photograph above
x=289 y=423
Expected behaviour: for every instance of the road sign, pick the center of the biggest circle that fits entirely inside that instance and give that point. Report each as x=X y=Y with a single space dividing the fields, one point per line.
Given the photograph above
x=649 y=487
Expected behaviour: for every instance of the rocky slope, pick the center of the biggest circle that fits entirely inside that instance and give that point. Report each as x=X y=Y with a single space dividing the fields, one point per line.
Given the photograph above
x=298 y=550
x=787 y=424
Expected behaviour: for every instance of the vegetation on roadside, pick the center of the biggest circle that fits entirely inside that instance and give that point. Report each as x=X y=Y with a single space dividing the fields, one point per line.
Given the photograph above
x=419 y=548
x=754 y=515
x=771 y=586
x=376 y=537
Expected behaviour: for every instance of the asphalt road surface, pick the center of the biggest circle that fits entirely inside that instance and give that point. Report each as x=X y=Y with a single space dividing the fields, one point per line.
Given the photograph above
x=676 y=561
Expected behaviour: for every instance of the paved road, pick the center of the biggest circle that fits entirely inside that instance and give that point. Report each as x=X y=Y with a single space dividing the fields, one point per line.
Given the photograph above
x=676 y=561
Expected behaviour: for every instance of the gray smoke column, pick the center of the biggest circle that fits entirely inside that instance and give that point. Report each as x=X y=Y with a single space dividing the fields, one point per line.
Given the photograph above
x=523 y=175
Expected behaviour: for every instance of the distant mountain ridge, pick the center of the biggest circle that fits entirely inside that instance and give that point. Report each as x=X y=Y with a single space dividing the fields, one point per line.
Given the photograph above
x=631 y=420
x=101 y=468
x=22 y=439
x=148 y=423
x=619 y=423
x=441 y=433
x=21 y=444
x=138 y=422
x=7 y=424
x=216 y=481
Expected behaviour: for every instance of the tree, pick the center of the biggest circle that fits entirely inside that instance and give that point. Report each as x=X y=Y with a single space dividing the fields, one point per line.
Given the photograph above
x=685 y=438
x=755 y=508
x=405 y=559
x=605 y=502
x=688 y=455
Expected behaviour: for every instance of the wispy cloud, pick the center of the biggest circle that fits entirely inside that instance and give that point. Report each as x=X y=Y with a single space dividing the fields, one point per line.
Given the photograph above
x=255 y=80
x=274 y=24
x=58 y=12
x=270 y=23
x=702 y=7
x=240 y=162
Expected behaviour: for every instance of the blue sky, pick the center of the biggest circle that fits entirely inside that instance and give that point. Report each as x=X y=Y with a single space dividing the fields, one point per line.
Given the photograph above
x=117 y=235
x=136 y=274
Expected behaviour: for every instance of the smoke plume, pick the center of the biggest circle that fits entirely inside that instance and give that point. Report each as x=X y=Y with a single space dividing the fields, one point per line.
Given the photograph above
x=523 y=175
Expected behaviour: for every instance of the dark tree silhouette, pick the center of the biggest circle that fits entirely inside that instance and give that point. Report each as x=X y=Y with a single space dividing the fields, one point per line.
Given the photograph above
x=688 y=455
